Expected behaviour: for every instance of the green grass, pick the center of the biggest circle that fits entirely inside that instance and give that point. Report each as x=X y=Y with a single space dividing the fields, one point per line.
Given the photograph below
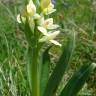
x=13 y=81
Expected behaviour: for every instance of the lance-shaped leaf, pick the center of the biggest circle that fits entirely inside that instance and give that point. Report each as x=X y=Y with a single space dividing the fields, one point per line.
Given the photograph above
x=60 y=68
x=45 y=70
x=77 y=81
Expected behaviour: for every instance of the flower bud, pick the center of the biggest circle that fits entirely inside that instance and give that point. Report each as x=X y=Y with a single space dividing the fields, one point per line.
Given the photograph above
x=45 y=3
x=31 y=8
x=50 y=9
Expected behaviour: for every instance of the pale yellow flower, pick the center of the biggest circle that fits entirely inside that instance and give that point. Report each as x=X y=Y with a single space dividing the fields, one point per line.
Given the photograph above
x=45 y=3
x=48 y=23
x=50 y=9
x=31 y=8
x=49 y=36
x=30 y=14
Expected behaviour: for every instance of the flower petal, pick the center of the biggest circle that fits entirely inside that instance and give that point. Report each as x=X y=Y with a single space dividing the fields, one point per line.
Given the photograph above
x=50 y=9
x=54 y=26
x=49 y=36
x=44 y=39
x=48 y=22
x=41 y=21
x=19 y=18
x=53 y=35
x=45 y=3
x=55 y=42
x=43 y=30
x=37 y=16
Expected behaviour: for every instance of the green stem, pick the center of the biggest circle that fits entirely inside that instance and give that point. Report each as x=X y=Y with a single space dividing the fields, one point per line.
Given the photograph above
x=34 y=73
x=33 y=66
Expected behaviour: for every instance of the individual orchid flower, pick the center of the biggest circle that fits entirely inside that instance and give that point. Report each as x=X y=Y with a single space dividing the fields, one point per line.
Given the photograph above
x=31 y=13
x=48 y=23
x=48 y=36
x=50 y=9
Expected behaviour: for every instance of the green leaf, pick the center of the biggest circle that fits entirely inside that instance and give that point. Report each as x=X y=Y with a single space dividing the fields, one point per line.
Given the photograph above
x=45 y=70
x=77 y=81
x=60 y=68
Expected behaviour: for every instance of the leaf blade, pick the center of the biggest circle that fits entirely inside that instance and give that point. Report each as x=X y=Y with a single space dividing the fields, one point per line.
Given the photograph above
x=60 y=68
x=45 y=70
x=77 y=81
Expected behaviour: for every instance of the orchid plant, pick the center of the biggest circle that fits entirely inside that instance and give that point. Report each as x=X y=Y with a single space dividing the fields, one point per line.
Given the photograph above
x=40 y=30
